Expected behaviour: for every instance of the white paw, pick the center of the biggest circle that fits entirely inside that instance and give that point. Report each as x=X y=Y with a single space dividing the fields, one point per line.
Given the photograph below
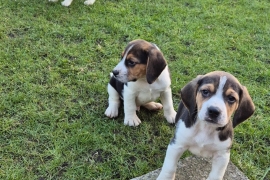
x=132 y=120
x=89 y=2
x=214 y=178
x=166 y=175
x=53 y=0
x=111 y=111
x=170 y=116
x=66 y=3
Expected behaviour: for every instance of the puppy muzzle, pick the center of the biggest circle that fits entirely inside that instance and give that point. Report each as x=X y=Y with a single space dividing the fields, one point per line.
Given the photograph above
x=115 y=73
x=213 y=115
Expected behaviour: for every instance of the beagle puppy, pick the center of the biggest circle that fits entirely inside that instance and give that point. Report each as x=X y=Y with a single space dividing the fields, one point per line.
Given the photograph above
x=203 y=121
x=68 y=2
x=139 y=79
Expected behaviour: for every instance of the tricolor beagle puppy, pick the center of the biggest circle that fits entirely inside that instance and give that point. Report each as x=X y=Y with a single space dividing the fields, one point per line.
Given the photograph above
x=203 y=124
x=139 y=79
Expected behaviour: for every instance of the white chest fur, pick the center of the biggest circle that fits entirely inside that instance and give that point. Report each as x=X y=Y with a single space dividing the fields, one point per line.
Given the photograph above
x=201 y=139
x=147 y=96
x=145 y=92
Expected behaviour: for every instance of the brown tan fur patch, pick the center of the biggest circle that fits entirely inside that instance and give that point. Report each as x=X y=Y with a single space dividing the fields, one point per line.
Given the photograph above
x=231 y=107
x=139 y=69
x=137 y=72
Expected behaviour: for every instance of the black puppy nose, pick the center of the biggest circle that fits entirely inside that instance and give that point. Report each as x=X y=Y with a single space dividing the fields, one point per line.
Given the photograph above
x=213 y=112
x=115 y=72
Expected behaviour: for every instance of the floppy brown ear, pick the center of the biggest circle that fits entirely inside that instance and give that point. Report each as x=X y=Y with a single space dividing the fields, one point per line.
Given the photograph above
x=245 y=109
x=155 y=65
x=188 y=96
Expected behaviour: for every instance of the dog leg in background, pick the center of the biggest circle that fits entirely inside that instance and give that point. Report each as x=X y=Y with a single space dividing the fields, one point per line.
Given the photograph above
x=89 y=2
x=153 y=106
x=219 y=165
x=166 y=100
x=131 y=118
x=66 y=2
x=173 y=154
x=114 y=102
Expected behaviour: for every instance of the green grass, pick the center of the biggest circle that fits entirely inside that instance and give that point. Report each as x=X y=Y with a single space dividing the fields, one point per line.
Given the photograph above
x=55 y=63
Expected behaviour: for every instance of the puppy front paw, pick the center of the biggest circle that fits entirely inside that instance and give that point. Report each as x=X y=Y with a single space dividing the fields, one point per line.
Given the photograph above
x=167 y=176
x=53 y=0
x=111 y=111
x=132 y=120
x=170 y=116
x=214 y=178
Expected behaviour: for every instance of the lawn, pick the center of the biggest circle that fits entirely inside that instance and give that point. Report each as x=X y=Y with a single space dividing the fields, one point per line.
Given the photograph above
x=55 y=63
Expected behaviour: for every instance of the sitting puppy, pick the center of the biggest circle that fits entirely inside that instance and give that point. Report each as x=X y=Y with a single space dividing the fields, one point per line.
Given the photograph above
x=139 y=79
x=204 y=126
x=68 y=2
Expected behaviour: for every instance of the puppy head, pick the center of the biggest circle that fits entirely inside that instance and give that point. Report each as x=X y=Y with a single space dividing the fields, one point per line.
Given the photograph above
x=140 y=59
x=215 y=97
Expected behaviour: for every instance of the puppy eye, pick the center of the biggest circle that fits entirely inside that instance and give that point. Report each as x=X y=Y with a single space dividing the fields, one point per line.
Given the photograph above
x=231 y=99
x=131 y=63
x=205 y=93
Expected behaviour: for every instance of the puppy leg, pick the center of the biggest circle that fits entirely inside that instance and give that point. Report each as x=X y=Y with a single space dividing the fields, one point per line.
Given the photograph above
x=152 y=106
x=53 y=0
x=166 y=100
x=131 y=119
x=66 y=2
x=219 y=165
x=170 y=163
x=114 y=102
x=89 y=2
